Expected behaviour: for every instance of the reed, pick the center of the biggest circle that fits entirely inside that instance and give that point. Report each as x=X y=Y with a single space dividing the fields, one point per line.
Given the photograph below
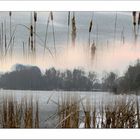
x=73 y=33
x=37 y=115
x=52 y=18
x=94 y=117
x=88 y=114
x=89 y=30
x=35 y=20
x=11 y=113
x=31 y=37
x=5 y=36
x=138 y=117
x=134 y=25
x=138 y=22
x=28 y=114
x=68 y=112
x=2 y=37
x=121 y=115
x=115 y=27
x=69 y=15
x=72 y=112
x=19 y=114
x=122 y=36
x=97 y=35
x=10 y=32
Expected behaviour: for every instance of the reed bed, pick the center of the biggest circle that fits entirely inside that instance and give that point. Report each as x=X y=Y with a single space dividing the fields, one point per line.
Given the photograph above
x=122 y=113
x=73 y=112
x=19 y=114
x=68 y=112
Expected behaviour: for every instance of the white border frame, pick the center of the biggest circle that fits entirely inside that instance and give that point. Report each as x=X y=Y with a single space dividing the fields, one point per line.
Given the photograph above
x=70 y=5
x=63 y=134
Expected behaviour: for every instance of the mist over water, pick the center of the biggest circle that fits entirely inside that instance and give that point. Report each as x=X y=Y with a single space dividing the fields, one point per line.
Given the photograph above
x=112 y=58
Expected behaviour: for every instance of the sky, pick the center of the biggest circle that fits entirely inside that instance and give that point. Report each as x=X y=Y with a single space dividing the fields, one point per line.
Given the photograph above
x=111 y=54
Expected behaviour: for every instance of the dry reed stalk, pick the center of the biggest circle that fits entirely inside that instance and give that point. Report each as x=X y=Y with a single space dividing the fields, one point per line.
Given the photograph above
x=120 y=115
x=11 y=113
x=68 y=112
x=0 y=41
x=10 y=14
x=134 y=18
x=10 y=33
x=115 y=26
x=5 y=36
x=23 y=49
x=75 y=109
x=102 y=116
x=37 y=115
x=94 y=117
x=46 y=35
x=4 y=113
x=31 y=35
x=97 y=35
x=138 y=117
x=2 y=37
x=73 y=34
x=29 y=47
x=108 y=117
x=2 y=50
x=138 y=22
x=69 y=14
x=0 y=46
x=87 y=114
x=32 y=39
x=61 y=112
x=89 y=30
x=19 y=114
x=134 y=24
x=122 y=36
x=35 y=20
x=28 y=114
x=52 y=18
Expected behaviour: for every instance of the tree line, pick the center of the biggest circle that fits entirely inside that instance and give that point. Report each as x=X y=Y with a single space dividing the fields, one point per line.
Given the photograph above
x=128 y=83
x=31 y=78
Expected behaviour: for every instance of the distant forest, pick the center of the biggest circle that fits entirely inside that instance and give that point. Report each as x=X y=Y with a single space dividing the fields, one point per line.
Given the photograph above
x=31 y=78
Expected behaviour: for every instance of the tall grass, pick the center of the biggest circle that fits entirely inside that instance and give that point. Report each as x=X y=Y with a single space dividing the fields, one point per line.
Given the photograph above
x=68 y=112
x=121 y=114
x=19 y=114
x=73 y=112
